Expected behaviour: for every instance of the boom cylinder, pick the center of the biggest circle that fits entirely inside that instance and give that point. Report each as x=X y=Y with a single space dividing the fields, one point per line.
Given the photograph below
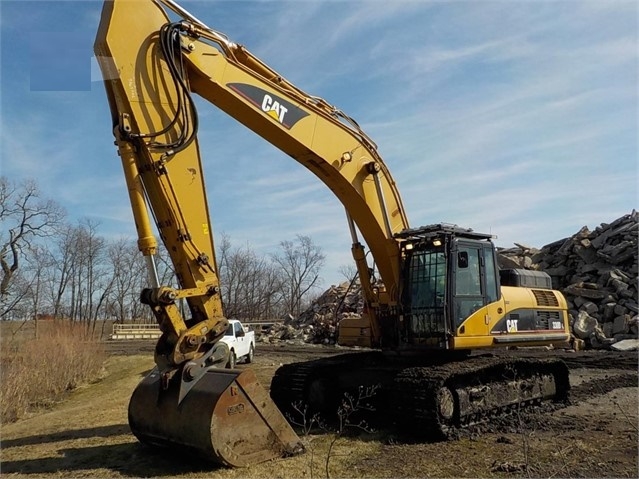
x=147 y=243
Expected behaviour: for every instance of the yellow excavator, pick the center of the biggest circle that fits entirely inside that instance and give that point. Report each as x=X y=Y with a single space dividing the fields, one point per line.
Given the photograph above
x=438 y=296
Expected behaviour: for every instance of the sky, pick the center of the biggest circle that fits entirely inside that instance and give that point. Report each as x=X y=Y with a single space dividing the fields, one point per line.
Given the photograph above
x=518 y=119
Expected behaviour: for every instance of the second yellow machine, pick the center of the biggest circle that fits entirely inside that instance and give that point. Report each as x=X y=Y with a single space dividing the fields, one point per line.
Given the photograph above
x=439 y=293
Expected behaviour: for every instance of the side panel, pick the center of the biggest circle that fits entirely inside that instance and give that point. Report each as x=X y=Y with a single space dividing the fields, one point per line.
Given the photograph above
x=516 y=320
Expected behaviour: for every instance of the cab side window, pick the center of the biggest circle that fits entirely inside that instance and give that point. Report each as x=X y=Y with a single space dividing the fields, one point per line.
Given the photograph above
x=492 y=289
x=468 y=289
x=468 y=278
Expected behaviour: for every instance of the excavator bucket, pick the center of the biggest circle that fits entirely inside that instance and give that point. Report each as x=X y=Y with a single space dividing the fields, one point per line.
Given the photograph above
x=223 y=415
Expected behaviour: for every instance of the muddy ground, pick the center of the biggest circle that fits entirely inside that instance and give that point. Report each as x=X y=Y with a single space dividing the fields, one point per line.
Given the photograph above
x=595 y=436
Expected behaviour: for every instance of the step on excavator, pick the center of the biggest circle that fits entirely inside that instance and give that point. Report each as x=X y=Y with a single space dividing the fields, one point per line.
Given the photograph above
x=434 y=294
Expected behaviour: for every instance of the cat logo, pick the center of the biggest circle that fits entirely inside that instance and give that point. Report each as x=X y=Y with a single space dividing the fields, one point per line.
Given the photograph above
x=273 y=108
x=279 y=109
x=511 y=325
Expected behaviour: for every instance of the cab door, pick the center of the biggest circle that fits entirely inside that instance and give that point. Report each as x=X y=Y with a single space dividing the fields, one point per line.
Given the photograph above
x=475 y=287
x=468 y=293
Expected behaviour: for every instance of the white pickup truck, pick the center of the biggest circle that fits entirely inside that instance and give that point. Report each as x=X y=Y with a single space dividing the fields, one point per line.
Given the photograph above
x=241 y=343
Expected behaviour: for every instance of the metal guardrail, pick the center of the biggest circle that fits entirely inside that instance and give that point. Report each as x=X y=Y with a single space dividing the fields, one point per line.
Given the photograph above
x=135 y=331
x=152 y=331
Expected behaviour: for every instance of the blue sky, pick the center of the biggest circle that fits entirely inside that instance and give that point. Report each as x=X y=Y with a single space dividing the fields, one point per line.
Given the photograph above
x=515 y=118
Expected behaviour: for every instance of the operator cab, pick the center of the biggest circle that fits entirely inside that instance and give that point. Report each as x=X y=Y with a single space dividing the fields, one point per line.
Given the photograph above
x=449 y=273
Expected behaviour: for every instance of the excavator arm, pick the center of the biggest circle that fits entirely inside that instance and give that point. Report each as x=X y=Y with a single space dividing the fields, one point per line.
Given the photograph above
x=314 y=133
x=155 y=125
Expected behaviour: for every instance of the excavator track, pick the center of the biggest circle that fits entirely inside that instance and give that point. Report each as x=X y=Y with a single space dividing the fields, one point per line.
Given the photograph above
x=434 y=402
x=429 y=398
x=301 y=390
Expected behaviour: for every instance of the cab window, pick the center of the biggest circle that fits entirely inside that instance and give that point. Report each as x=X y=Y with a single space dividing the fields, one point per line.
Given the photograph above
x=427 y=280
x=492 y=289
x=238 y=330
x=468 y=280
x=468 y=289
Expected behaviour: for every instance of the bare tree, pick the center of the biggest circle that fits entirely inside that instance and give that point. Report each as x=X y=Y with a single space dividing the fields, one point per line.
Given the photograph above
x=300 y=261
x=349 y=271
x=129 y=277
x=15 y=305
x=39 y=260
x=251 y=285
x=65 y=258
x=269 y=293
x=24 y=216
x=89 y=278
x=228 y=275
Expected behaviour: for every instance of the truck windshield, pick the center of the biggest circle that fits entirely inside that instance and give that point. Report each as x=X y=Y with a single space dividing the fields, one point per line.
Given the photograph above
x=229 y=330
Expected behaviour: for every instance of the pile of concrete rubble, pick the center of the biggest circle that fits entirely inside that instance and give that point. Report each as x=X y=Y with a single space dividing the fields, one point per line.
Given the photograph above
x=596 y=270
x=318 y=323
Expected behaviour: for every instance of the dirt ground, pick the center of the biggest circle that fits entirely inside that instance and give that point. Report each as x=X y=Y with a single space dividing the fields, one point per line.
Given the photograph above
x=87 y=434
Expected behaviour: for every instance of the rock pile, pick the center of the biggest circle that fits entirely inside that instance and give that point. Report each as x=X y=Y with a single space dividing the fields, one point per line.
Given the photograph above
x=318 y=323
x=329 y=309
x=597 y=272
x=281 y=332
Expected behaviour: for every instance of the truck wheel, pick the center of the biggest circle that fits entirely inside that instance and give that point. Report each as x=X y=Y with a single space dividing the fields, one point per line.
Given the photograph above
x=232 y=360
x=249 y=356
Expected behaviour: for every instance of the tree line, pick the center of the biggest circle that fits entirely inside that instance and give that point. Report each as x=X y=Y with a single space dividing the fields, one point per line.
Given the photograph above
x=57 y=269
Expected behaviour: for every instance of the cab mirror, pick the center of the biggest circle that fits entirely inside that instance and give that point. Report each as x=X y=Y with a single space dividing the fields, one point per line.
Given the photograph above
x=462 y=259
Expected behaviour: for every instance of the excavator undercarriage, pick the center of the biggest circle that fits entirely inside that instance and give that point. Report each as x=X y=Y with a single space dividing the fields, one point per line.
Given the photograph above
x=426 y=397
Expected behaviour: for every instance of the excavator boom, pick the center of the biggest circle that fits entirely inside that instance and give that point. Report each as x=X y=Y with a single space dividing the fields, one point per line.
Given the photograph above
x=151 y=65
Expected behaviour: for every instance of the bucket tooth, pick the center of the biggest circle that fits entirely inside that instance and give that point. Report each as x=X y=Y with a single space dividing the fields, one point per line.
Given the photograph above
x=226 y=417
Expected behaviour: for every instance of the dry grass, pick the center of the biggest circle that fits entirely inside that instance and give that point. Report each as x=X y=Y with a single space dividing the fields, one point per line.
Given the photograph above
x=87 y=435
x=38 y=371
